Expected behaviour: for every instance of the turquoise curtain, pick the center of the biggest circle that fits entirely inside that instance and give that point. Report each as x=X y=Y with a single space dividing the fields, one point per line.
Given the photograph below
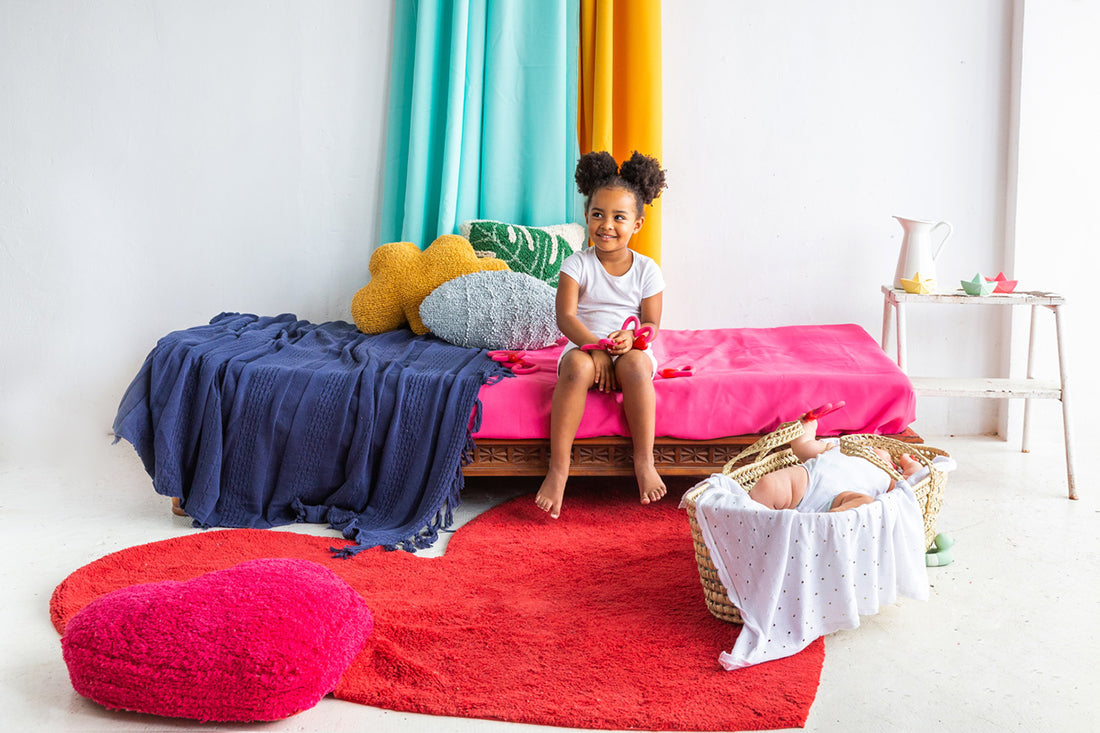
x=482 y=116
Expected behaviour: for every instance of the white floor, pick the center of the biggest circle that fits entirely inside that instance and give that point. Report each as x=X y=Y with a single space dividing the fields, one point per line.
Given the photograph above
x=1008 y=641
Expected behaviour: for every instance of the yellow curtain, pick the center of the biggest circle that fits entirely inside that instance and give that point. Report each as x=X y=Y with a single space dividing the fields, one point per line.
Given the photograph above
x=619 y=90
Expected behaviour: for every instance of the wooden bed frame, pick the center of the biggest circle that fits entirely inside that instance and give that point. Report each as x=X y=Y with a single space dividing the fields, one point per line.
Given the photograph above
x=612 y=455
x=607 y=456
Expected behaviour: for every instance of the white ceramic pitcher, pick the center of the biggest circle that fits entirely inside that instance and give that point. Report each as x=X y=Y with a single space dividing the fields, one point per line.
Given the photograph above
x=916 y=249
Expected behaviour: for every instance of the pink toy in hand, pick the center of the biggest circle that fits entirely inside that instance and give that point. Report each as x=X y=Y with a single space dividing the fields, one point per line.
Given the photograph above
x=601 y=345
x=642 y=335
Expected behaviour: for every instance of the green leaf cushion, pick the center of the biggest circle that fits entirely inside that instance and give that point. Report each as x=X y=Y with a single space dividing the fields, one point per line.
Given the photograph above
x=536 y=251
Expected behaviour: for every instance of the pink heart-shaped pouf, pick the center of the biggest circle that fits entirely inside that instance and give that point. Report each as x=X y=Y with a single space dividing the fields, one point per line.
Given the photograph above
x=261 y=640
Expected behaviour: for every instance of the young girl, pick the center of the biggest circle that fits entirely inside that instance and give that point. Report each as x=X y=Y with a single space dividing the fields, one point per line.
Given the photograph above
x=598 y=289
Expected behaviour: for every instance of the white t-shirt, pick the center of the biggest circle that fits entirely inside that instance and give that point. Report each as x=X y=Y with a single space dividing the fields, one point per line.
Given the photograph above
x=605 y=301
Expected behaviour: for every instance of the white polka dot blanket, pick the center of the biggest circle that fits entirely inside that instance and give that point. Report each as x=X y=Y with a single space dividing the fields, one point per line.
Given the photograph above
x=796 y=576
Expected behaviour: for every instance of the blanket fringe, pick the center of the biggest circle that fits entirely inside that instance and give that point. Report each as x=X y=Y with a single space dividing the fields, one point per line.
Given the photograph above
x=425 y=538
x=496 y=376
x=475 y=417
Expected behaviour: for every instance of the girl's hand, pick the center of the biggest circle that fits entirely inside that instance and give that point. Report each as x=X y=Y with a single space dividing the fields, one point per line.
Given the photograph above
x=605 y=371
x=624 y=342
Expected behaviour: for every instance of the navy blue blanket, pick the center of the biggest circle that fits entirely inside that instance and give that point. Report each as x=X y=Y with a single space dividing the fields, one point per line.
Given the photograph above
x=257 y=422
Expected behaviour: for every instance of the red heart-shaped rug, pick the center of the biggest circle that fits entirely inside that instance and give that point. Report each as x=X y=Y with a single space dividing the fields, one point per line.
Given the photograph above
x=594 y=620
x=261 y=640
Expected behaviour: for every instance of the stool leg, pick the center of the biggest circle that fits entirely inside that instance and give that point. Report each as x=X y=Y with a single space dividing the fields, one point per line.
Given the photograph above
x=1071 y=478
x=886 y=322
x=1025 y=447
x=903 y=355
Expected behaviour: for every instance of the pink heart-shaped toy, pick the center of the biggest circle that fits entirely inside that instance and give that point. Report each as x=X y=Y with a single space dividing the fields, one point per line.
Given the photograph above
x=261 y=640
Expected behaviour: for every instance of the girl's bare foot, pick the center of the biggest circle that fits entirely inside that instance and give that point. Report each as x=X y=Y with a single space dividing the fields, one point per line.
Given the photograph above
x=650 y=486
x=551 y=493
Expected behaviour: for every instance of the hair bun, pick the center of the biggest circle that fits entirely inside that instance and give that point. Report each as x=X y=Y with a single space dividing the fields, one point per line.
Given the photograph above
x=645 y=174
x=593 y=170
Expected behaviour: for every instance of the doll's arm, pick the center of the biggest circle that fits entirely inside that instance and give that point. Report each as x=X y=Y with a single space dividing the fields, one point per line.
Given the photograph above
x=807 y=446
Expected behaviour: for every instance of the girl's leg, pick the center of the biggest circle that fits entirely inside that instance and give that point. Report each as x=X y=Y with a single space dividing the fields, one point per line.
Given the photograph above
x=634 y=372
x=575 y=376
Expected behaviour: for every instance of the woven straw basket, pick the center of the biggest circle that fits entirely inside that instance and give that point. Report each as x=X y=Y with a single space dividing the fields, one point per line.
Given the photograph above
x=758 y=460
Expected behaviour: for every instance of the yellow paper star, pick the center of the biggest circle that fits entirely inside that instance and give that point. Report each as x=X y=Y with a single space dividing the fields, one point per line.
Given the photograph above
x=919 y=285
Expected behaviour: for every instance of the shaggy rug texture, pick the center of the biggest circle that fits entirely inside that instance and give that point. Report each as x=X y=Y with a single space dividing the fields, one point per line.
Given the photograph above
x=594 y=620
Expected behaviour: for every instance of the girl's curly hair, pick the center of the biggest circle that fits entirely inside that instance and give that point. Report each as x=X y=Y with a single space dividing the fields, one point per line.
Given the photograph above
x=642 y=175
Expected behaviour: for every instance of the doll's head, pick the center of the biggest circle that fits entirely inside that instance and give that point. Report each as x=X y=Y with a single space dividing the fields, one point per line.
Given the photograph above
x=641 y=175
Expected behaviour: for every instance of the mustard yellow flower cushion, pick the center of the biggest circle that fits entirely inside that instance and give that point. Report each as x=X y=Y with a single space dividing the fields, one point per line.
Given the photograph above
x=401 y=276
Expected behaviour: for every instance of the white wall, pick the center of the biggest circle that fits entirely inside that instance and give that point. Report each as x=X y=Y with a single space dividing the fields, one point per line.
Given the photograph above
x=794 y=131
x=163 y=161
x=1057 y=231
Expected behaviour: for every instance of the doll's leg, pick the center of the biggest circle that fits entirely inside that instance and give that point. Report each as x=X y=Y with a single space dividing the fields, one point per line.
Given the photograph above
x=849 y=500
x=634 y=372
x=782 y=488
x=575 y=376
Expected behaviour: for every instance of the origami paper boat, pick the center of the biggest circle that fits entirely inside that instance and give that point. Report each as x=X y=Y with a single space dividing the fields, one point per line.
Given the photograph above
x=918 y=285
x=978 y=286
x=1004 y=285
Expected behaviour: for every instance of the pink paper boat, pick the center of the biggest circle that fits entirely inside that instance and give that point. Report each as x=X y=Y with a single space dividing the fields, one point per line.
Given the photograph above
x=1004 y=285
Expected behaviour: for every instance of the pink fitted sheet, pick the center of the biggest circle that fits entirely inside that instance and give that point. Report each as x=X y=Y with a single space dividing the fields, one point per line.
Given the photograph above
x=747 y=380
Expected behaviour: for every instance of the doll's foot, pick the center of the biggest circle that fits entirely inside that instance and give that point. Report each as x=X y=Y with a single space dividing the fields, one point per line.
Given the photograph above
x=551 y=493
x=650 y=486
x=908 y=465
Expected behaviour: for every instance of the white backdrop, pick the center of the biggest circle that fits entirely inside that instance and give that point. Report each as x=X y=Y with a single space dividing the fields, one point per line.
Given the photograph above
x=161 y=162
x=795 y=131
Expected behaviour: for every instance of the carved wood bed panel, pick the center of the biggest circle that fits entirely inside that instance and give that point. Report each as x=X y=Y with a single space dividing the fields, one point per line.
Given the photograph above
x=612 y=456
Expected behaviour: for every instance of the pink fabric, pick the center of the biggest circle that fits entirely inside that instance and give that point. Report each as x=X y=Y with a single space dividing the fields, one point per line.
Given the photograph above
x=261 y=640
x=747 y=380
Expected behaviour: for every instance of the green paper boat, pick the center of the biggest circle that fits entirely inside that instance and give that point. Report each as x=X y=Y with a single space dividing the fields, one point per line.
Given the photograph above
x=978 y=286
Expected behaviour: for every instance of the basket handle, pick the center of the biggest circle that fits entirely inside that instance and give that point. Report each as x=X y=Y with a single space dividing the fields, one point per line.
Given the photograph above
x=859 y=445
x=782 y=435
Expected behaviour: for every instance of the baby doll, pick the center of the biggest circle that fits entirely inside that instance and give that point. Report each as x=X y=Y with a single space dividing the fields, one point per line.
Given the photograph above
x=827 y=480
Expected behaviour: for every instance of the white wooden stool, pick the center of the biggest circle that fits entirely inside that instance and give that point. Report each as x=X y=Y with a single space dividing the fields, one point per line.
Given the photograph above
x=1029 y=388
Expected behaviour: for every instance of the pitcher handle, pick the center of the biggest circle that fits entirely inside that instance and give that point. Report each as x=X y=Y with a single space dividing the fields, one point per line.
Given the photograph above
x=942 y=241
